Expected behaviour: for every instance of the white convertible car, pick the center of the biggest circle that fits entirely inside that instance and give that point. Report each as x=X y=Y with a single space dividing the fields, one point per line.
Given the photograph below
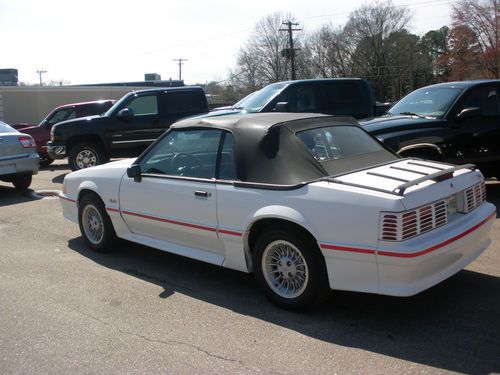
x=306 y=202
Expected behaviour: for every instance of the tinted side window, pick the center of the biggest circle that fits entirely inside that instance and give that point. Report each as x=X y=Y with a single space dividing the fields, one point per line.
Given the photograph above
x=346 y=98
x=184 y=102
x=485 y=98
x=189 y=153
x=144 y=105
x=303 y=98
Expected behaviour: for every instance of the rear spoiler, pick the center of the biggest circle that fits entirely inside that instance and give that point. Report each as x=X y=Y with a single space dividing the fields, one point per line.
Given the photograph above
x=442 y=173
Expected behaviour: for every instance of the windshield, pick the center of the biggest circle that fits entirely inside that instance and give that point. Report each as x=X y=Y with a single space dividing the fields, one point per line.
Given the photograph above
x=427 y=101
x=255 y=101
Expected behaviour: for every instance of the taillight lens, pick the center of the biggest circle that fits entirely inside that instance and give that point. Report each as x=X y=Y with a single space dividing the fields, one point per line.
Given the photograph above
x=27 y=142
x=400 y=226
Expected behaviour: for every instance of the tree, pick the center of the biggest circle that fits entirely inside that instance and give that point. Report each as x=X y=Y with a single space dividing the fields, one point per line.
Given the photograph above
x=368 y=31
x=327 y=53
x=435 y=44
x=260 y=60
x=481 y=20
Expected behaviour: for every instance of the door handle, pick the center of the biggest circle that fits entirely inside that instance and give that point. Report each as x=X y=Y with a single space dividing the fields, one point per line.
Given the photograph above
x=199 y=193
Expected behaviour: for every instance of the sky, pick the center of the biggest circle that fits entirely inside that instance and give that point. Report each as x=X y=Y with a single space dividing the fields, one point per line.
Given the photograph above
x=100 y=41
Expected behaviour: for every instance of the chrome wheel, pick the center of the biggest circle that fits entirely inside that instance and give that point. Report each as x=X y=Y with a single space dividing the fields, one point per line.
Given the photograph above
x=284 y=268
x=86 y=158
x=92 y=224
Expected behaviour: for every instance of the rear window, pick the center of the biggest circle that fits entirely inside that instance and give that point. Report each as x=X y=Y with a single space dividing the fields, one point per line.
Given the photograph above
x=4 y=128
x=340 y=148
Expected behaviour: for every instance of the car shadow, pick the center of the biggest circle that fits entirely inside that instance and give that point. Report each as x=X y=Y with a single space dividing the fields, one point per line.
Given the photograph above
x=59 y=178
x=454 y=326
x=10 y=196
x=55 y=167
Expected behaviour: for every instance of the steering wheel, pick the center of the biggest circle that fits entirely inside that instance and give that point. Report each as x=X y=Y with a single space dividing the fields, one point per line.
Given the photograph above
x=183 y=160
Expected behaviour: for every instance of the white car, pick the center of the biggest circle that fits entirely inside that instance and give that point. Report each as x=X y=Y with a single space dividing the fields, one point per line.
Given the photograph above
x=306 y=202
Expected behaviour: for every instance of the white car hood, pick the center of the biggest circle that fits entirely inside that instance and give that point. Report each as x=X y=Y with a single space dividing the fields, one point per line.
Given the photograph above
x=113 y=169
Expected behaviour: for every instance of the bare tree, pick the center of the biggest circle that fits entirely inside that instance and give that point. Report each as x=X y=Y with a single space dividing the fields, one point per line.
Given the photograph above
x=481 y=17
x=328 y=53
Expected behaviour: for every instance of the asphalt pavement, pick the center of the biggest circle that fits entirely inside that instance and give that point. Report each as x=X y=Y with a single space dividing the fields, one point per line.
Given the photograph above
x=66 y=309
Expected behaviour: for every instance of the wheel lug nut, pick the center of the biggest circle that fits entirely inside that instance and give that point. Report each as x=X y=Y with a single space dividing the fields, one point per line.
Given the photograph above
x=288 y=263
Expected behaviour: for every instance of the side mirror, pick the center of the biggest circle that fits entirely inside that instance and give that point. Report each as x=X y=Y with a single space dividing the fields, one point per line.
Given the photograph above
x=282 y=107
x=125 y=114
x=470 y=112
x=134 y=171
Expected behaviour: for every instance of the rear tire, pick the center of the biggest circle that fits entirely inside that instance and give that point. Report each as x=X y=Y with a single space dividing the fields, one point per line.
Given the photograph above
x=95 y=224
x=22 y=182
x=290 y=269
x=86 y=155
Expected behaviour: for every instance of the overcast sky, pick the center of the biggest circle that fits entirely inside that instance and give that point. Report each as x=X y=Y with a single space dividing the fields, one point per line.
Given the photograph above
x=96 y=41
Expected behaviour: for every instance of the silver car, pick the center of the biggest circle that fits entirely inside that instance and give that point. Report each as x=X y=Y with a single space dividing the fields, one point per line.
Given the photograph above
x=19 y=160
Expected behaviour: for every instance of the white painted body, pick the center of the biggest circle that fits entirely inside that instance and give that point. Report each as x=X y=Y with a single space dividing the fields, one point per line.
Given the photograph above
x=164 y=213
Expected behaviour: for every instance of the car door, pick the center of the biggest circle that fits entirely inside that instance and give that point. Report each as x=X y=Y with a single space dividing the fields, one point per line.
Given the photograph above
x=135 y=125
x=477 y=138
x=175 y=201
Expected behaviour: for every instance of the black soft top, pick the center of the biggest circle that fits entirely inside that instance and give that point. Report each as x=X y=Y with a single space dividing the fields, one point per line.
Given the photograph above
x=267 y=151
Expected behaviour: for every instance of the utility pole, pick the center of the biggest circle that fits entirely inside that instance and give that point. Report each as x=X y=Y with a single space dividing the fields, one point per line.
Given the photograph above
x=40 y=72
x=180 y=62
x=290 y=53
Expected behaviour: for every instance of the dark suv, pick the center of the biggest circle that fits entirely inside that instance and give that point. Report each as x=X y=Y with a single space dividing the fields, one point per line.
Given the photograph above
x=333 y=96
x=127 y=128
x=457 y=122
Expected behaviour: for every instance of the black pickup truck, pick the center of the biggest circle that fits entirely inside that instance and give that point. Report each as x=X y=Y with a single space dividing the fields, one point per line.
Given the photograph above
x=456 y=122
x=127 y=128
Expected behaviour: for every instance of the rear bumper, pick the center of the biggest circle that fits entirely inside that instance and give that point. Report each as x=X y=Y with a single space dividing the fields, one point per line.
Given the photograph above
x=26 y=164
x=56 y=150
x=423 y=263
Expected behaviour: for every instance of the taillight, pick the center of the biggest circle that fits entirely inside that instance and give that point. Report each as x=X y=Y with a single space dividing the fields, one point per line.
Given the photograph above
x=400 y=226
x=27 y=142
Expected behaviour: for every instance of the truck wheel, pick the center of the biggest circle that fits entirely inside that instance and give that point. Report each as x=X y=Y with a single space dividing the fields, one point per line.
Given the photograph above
x=86 y=155
x=22 y=182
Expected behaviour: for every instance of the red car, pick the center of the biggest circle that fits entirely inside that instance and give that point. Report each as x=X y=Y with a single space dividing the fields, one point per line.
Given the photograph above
x=41 y=132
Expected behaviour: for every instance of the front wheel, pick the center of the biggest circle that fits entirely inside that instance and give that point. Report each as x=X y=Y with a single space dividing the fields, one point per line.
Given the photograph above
x=86 y=155
x=290 y=269
x=95 y=224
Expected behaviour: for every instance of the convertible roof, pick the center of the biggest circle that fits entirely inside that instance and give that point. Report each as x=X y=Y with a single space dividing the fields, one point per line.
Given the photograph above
x=266 y=149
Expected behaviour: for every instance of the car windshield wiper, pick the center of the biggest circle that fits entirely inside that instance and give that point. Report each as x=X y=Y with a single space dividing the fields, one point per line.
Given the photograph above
x=237 y=108
x=411 y=114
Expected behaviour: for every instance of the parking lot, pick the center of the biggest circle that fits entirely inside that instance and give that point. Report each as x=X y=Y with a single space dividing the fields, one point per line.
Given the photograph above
x=67 y=309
